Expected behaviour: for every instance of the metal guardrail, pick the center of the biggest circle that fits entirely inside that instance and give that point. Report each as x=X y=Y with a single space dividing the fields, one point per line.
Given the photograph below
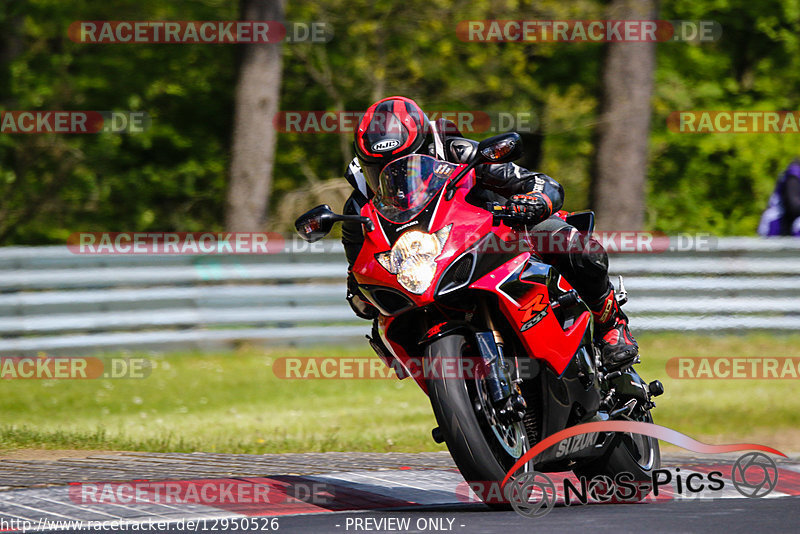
x=54 y=301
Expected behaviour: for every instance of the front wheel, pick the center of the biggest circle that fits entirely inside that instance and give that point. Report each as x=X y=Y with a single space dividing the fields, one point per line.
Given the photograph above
x=483 y=448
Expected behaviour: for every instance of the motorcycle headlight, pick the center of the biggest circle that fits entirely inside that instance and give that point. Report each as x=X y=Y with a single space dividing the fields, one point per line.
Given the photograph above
x=412 y=258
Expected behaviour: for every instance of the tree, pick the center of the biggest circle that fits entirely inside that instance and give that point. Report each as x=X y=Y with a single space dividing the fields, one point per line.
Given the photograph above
x=618 y=191
x=170 y=177
x=254 y=136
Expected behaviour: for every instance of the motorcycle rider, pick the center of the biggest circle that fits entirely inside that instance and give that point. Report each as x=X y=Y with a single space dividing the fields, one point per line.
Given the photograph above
x=782 y=215
x=395 y=127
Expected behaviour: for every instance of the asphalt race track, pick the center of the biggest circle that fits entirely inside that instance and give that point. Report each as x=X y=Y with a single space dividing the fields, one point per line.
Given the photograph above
x=358 y=492
x=729 y=516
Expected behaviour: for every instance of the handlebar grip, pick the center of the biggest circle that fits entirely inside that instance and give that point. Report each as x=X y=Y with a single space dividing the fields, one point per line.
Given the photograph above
x=502 y=212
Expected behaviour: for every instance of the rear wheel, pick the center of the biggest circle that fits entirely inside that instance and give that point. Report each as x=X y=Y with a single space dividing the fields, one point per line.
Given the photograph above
x=483 y=448
x=634 y=454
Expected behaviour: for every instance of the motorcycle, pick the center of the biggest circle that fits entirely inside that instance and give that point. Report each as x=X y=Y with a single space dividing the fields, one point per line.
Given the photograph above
x=461 y=286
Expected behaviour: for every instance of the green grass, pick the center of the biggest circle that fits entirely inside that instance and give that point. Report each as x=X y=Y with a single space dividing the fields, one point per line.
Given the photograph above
x=722 y=411
x=229 y=402
x=233 y=402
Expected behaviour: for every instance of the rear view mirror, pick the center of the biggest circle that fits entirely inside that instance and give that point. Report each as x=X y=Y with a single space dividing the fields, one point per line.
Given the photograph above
x=503 y=148
x=316 y=223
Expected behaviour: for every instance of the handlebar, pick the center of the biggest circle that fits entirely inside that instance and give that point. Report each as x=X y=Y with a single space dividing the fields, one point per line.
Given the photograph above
x=500 y=211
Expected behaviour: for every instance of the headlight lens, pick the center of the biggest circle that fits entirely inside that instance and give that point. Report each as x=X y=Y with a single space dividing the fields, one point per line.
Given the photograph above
x=416 y=273
x=413 y=256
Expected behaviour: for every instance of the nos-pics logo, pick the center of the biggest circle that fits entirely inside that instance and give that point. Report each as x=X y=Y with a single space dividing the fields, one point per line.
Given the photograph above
x=534 y=494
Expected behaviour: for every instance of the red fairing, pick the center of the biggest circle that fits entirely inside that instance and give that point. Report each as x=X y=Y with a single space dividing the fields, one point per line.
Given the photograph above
x=470 y=223
x=544 y=338
x=411 y=364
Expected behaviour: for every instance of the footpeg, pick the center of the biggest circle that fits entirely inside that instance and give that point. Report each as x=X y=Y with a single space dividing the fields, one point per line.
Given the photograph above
x=622 y=294
x=437 y=435
x=655 y=388
x=625 y=410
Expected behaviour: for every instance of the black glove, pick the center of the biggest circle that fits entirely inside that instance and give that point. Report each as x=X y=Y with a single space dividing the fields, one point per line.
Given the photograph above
x=532 y=208
x=360 y=305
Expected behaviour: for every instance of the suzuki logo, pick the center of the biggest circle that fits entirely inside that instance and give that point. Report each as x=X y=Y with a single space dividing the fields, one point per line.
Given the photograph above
x=533 y=307
x=535 y=311
x=575 y=443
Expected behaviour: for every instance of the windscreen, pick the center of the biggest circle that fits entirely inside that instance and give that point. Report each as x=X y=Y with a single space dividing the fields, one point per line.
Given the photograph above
x=408 y=184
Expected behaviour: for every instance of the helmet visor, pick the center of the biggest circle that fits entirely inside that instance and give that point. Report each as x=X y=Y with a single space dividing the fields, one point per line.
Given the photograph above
x=407 y=185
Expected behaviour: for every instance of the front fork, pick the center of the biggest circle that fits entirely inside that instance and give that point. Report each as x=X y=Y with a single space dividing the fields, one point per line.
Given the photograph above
x=504 y=390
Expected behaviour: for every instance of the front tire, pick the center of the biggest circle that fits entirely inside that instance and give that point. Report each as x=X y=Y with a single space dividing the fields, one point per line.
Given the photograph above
x=483 y=449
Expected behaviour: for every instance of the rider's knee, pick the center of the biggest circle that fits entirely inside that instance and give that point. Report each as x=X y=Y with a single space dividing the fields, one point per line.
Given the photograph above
x=593 y=258
x=588 y=268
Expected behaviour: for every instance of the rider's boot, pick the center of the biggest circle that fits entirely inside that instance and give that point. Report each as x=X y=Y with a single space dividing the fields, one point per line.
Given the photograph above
x=617 y=347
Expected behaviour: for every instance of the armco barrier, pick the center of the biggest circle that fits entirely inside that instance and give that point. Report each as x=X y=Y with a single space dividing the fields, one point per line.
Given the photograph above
x=54 y=301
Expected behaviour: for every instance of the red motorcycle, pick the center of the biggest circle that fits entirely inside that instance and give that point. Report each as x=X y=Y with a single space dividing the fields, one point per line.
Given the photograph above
x=499 y=340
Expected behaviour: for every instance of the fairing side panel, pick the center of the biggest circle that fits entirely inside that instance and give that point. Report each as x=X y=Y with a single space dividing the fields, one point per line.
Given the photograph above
x=526 y=305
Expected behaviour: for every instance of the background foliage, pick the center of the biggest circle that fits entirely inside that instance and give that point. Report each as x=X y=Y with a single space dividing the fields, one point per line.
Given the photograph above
x=173 y=176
